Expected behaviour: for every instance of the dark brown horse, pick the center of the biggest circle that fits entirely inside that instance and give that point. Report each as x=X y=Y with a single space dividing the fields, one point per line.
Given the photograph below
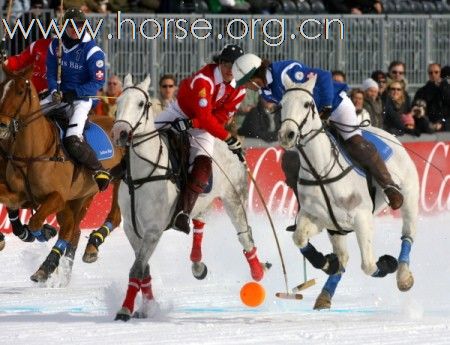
x=38 y=171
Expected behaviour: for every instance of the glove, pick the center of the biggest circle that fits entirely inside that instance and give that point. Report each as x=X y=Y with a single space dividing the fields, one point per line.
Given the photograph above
x=325 y=113
x=182 y=125
x=57 y=97
x=236 y=147
x=69 y=97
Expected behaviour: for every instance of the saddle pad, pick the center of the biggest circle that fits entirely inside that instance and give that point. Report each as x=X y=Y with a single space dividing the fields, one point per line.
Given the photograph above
x=383 y=149
x=97 y=138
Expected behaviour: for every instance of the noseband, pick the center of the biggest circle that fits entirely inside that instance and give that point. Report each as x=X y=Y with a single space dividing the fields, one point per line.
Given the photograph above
x=145 y=111
x=311 y=111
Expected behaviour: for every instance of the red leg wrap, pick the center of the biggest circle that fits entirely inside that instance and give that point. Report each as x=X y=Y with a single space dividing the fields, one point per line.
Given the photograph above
x=196 y=252
x=134 y=286
x=255 y=266
x=146 y=288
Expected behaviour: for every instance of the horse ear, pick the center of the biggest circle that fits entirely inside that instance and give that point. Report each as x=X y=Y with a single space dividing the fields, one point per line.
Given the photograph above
x=146 y=83
x=128 y=80
x=287 y=82
x=311 y=82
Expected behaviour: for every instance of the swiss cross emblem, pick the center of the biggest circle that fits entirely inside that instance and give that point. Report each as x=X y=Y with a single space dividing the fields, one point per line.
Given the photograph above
x=99 y=75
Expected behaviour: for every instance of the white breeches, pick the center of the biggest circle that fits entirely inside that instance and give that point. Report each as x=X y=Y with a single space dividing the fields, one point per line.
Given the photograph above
x=202 y=143
x=345 y=113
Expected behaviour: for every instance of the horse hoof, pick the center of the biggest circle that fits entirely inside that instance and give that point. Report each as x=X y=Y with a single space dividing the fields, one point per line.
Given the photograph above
x=323 y=301
x=40 y=276
x=405 y=279
x=49 y=232
x=123 y=315
x=199 y=270
x=90 y=254
x=139 y=315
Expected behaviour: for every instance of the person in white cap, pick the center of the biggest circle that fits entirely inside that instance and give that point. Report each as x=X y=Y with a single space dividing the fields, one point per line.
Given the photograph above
x=372 y=102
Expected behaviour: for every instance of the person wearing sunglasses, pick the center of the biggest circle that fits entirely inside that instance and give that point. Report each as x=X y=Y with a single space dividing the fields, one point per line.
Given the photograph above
x=167 y=93
x=107 y=105
x=431 y=95
x=205 y=103
x=396 y=72
x=332 y=102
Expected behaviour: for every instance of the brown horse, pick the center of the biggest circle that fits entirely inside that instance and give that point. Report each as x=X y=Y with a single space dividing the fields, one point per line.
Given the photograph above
x=39 y=172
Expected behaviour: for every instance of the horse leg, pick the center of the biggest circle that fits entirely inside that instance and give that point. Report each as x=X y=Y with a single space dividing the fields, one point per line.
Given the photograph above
x=66 y=220
x=97 y=237
x=199 y=269
x=409 y=210
x=306 y=229
x=52 y=204
x=323 y=301
x=23 y=232
x=138 y=273
x=234 y=208
x=364 y=233
x=149 y=306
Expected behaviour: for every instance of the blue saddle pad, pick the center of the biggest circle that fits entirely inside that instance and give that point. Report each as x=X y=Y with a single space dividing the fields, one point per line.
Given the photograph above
x=383 y=149
x=97 y=138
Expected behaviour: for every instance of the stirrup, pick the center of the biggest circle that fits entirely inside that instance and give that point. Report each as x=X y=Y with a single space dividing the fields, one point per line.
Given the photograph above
x=181 y=222
x=102 y=178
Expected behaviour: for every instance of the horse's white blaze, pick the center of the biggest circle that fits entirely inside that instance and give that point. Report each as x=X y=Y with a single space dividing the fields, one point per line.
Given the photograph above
x=5 y=90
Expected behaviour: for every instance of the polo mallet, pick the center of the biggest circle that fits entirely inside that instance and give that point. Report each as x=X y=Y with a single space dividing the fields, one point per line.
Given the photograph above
x=287 y=294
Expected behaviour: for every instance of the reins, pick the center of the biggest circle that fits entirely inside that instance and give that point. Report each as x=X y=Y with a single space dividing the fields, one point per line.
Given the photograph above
x=318 y=180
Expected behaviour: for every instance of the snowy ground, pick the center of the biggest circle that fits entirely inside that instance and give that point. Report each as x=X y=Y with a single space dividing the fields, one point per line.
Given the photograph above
x=365 y=310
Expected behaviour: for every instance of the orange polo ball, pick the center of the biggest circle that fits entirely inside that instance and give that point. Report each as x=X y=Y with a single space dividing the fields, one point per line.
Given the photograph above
x=253 y=294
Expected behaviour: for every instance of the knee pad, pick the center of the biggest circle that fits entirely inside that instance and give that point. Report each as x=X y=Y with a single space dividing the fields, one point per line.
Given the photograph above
x=200 y=174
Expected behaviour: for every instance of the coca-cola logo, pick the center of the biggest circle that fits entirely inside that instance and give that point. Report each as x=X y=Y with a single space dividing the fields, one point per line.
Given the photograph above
x=435 y=189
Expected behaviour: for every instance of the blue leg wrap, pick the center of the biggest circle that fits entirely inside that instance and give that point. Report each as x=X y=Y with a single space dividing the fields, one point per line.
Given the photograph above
x=109 y=225
x=314 y=257
x=61 y=245
x=39 y=235
x=404 y=252
x=332 y=283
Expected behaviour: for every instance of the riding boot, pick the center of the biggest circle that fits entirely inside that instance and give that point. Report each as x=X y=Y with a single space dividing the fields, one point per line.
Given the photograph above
x=365 y=154
x=197 y=181
x=290 y=163
x=83 y=154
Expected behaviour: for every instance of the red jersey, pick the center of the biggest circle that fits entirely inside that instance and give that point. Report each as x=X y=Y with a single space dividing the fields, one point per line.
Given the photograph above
x=209 y=101
x=35 y=53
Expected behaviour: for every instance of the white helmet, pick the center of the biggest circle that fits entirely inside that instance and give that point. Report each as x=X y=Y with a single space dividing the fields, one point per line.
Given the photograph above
x=244 y=67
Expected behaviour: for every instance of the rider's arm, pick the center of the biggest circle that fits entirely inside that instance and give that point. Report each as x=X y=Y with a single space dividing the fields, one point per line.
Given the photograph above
x=96 y=68
x=52 y=65
x=202 y=104
x=324 y=84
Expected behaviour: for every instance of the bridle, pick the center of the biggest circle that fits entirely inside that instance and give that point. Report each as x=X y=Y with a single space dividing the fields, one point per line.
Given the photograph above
x=17 y=123
x=134 y=140
x=319 y=180
x=311 y=112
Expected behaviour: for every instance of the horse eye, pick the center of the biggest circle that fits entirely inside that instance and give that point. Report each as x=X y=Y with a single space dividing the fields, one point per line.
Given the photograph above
x=307 y=104
x=141 y=104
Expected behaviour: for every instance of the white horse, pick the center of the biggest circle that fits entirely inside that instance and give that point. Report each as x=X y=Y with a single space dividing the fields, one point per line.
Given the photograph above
x=349 y=201
x=154 y=202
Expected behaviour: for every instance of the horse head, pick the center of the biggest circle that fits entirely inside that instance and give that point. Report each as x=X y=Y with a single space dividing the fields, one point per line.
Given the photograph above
x=299 y=115
x=134 y=114
x=18 y=99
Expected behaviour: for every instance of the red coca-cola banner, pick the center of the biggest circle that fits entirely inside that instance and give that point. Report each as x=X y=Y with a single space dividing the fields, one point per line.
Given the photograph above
x=431 y=159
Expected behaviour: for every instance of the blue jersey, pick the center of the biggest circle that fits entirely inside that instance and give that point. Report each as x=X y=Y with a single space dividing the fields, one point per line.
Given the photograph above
x=83 y=68
x=326 y=91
